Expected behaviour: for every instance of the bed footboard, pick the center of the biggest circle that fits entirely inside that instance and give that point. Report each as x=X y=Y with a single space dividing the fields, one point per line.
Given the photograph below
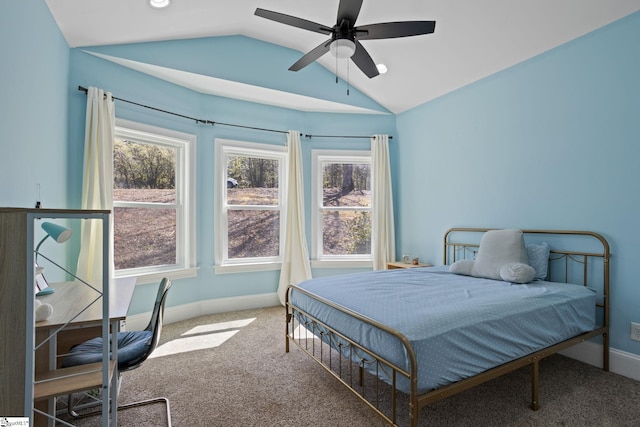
x=355 y=366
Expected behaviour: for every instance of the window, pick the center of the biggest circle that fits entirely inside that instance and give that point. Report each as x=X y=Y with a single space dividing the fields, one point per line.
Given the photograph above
x=341 y=219
x=153 y=200
x=249 y=197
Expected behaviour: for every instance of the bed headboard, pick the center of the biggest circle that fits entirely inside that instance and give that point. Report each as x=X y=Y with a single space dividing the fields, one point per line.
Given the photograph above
x=580 y=257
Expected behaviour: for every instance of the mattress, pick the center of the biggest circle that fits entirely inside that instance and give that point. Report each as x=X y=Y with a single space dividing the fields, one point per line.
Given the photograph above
x=457 y=325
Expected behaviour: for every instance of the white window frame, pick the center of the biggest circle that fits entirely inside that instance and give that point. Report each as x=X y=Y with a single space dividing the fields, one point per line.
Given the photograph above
x=223 y=149
x=185 y=146
x=318 y=159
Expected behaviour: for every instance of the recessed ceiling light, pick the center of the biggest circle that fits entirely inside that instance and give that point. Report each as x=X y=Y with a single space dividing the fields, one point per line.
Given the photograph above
x=159 y=3
x=382 y=68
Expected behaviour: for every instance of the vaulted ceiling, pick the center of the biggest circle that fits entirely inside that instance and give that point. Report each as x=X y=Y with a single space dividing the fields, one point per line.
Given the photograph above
x=472 y=39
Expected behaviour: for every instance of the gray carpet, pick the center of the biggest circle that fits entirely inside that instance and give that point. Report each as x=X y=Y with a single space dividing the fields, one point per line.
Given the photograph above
x=245 y=378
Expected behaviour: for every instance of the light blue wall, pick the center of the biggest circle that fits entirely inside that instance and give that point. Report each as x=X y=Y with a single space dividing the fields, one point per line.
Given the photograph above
x=34 y=68
x=553 y=142
x=88 y=70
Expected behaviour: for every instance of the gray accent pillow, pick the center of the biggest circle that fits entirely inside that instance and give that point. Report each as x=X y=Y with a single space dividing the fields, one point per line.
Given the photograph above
x=497 y=248
x=539 y=258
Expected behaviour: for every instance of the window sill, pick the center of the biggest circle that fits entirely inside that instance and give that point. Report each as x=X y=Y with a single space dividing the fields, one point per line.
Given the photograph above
x=157 y=276
x=249 y=268
x=246 y=268
x=341 y=264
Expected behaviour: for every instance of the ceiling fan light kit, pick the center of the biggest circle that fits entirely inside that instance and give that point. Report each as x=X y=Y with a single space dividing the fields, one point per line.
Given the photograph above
x=345 y=36
x=342 y=48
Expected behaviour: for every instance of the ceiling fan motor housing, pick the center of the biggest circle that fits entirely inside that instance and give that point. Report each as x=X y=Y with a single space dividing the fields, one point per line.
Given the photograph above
x=343 y=41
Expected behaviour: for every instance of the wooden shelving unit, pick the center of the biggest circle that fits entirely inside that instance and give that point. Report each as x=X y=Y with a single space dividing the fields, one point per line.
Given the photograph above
x=19 y=361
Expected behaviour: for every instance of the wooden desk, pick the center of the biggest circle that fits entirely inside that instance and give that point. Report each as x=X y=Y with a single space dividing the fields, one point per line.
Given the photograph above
x=71 y=297
x=69 y=301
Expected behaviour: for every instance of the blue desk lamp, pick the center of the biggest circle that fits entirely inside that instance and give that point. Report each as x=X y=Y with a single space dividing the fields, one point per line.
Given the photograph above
x=58 y=233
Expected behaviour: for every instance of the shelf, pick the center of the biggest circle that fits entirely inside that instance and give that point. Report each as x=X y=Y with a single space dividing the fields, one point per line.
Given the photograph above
x=69 y=380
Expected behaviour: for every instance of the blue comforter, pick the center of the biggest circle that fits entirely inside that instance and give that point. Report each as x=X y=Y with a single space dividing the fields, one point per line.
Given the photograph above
x=457 y=325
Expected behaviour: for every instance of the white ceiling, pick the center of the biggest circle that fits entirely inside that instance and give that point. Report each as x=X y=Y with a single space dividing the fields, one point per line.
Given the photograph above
x=472 y=39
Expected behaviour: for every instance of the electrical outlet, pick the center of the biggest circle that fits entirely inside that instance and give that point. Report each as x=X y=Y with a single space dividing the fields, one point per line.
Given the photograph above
x=635 y=331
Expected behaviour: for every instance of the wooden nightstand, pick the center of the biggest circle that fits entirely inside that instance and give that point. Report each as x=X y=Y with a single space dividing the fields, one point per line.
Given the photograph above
x=400 y=264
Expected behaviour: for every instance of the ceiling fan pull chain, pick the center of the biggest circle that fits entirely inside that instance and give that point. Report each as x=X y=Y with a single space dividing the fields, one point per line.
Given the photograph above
x=347 y=76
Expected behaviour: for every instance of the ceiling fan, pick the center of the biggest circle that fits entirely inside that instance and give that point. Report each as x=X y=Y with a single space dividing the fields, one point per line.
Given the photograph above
x=345 y=36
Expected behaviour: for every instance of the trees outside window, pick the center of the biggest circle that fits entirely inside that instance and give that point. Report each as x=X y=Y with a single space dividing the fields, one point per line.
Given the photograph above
x=341 y=219
x=250 y=203
x=153 y=201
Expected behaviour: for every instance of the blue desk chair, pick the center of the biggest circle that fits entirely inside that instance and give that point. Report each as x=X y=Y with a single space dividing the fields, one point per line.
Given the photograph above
x=134 y=347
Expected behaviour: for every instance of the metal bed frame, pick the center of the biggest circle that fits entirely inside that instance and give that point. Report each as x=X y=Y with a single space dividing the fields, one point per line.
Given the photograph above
x=335 y=352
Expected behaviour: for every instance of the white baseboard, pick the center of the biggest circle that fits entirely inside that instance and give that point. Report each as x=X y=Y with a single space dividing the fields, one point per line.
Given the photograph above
x=202 y=308
x=620 y=362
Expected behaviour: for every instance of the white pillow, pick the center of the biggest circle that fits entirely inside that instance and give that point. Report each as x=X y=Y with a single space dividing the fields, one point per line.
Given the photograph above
x=497 y=248
x=517 y=272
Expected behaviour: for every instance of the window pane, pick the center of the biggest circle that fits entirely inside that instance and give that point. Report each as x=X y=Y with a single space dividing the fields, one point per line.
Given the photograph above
x=252 y=196
x=144 y=167
x=346 y=184
x=144 y=195
x=144 y=237
x=252 y=181
x=346 y=233
x=254 y=234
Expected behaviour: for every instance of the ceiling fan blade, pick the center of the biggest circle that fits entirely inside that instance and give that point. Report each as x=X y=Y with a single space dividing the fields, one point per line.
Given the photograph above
x=349 y=10
x=293 y=21
x=311 y=56
x=363 y=60
x=389 y=30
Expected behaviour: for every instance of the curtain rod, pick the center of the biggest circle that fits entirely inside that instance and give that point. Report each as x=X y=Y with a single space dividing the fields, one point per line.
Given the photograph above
x=306 y=135
x=212 y=123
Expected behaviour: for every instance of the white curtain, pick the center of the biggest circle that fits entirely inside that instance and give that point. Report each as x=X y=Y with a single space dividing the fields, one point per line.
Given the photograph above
x=97 y=181
x=295 y=259
x=383 y=242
